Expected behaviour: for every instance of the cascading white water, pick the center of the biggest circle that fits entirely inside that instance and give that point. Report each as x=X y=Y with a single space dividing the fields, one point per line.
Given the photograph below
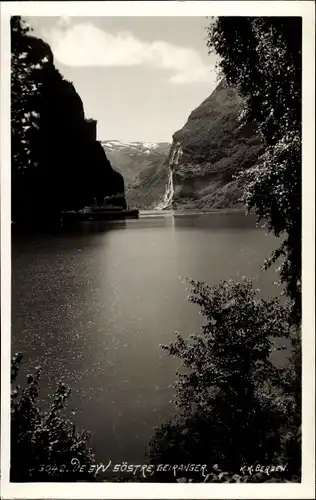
x=168 y=196
x=173 y=162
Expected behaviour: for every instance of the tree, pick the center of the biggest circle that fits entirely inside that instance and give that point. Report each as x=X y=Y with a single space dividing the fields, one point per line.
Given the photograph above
x=262 y=58
x=43 y=443
x=235 y=406
x=232 y=406
x=29 y=60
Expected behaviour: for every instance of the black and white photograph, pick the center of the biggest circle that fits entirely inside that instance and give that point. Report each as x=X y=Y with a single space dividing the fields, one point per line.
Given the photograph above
x=154 y=211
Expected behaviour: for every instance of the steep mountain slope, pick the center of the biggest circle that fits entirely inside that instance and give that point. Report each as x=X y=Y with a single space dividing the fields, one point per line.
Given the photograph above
x=150 y=186
x=133 y=158
x=205 y=155
x=57 y=163
x=210 y=149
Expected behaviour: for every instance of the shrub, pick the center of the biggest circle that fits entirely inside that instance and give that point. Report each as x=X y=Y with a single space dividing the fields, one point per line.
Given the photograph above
x=44 y=443
x=232 y=407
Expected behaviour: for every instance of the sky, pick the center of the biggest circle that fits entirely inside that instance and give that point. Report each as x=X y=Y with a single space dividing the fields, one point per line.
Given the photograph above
x=139 y=77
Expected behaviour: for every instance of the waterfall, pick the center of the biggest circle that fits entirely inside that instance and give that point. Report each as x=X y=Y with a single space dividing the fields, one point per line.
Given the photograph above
x=173 y=162
x=168 y=196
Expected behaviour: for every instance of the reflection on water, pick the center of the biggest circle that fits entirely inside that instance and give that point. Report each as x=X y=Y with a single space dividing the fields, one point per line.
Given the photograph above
x=92 y=302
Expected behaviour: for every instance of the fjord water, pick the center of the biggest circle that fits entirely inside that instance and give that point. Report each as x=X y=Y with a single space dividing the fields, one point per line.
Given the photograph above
x=92 y=303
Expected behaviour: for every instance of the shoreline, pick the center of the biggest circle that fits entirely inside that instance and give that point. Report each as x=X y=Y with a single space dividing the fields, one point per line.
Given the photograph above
x=42 y=225
x=187 y=211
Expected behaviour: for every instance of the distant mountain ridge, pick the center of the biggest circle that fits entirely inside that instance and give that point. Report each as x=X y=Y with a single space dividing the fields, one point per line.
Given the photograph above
x=133 y=158
x=136 y=146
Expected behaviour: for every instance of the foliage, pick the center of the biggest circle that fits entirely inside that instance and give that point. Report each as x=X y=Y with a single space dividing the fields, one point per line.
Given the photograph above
x=232 y=406
x=43 y=443
x=274 y=193
x=31 y=63
x=262 y=57
x=25 y=90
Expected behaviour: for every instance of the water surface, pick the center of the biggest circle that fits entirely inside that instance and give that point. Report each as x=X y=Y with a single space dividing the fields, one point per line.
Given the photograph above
x=91 y=305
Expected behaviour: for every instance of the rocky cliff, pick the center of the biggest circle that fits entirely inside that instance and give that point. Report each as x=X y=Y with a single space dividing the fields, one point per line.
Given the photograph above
x=204 y=156
x=64 y=166
x=210 y=150
x=73 y=149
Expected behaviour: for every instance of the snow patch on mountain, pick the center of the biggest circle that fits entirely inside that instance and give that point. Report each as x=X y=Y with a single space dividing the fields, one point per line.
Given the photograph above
x=145 y=147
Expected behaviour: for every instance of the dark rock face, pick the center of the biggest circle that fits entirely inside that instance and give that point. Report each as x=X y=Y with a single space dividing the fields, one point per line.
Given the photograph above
x=104 y=181
x=210 y=149
x=79 y=156
x=70 y=168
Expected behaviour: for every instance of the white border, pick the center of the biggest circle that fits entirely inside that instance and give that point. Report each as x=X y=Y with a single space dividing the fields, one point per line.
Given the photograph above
x=160 y=8
x=134 y=490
